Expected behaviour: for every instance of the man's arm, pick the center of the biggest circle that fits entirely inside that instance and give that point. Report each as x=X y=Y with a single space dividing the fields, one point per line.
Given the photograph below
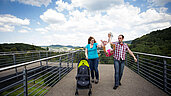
x=131 y=53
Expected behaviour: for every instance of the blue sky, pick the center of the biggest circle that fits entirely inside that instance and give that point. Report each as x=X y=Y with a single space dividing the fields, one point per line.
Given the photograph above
x=71 y=22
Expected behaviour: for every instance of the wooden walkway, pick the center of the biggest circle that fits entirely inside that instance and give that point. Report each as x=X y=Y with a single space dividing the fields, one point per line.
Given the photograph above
x=132 y=85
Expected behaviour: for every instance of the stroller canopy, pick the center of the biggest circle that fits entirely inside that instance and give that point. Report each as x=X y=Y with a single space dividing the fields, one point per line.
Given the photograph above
x=83 y=62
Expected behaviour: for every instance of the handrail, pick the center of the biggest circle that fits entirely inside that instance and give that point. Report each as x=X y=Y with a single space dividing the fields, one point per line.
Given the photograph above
x=166 y=57
x=27 y=63
x=21 y=52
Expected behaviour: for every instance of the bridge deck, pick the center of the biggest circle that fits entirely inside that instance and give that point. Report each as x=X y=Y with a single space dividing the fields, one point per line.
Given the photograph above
x=132 y=85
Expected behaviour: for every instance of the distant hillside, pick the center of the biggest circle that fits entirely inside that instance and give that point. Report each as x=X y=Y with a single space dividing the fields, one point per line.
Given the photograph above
x=18 y=47
x=128 y=42
x=69 y=46
x=156 y=42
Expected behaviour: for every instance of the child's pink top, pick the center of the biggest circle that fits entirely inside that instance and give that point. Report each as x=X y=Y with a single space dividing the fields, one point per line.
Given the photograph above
x=109 y=53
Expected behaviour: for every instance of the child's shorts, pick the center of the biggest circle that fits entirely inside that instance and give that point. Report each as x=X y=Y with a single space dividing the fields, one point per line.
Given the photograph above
x=109 y=53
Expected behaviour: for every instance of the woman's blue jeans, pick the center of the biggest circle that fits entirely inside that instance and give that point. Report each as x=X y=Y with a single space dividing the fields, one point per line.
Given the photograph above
x=119 y=67
x=94 y=67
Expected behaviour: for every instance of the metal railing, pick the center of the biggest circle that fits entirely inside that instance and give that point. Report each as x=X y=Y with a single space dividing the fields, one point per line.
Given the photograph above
x=36 y=77
x=154 y=68
x=18 y=57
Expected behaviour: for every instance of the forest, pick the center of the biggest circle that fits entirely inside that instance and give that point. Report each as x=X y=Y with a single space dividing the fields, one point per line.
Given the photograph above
x=18 y=47
x=157 y=42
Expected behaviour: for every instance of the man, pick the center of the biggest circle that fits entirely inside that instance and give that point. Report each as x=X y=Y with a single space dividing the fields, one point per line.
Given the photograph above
x=119 y=59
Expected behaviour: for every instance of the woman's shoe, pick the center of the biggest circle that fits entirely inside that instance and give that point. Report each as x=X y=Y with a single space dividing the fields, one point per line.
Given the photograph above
x=92 y=80
x=97 y=81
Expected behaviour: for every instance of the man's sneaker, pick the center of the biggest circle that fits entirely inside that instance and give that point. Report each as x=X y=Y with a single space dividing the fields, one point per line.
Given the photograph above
x=120 y=83
x=115 y=87
x=97 y=81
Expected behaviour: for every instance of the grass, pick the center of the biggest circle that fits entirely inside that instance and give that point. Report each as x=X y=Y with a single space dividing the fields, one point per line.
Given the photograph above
x=30 y=90
x=39 y=82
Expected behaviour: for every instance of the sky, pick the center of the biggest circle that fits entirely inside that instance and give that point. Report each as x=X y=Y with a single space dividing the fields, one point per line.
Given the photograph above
x=72 y=22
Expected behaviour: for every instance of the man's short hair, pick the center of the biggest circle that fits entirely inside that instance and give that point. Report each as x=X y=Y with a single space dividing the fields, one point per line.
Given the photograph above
x=122 y=36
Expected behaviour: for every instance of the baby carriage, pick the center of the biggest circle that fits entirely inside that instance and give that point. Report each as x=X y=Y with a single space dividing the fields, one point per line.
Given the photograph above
x=83 y=76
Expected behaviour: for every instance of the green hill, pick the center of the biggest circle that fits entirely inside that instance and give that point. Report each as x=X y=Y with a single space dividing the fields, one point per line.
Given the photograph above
x=156 y=42
x=6 y=47
x=128 y=42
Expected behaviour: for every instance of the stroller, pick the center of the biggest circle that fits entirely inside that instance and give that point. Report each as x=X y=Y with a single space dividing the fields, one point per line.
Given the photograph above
x=83 y=76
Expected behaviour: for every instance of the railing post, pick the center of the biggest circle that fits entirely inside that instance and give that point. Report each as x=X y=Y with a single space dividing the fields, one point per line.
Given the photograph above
x=40 y=58
x=164 y=74
x=14 y=61
x=32 y=56
x=59 y=68
x=46 y=60
x=72 y=60
x=25 y=81
x=46 y=54
x=78 y=56
x=68 y=62
x=50 y=53
x=126 y=59
x=138 y=66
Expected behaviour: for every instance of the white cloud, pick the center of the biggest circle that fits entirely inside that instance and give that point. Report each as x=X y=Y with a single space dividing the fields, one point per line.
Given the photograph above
x=158 y=2
x=38 y=23
x=122 y=19
x=61 y=5
x=23 y=31
x=53 y=17
x=37 y=3
x=79 y=39
x=163 y=9
x=41 y=30
x=96 y=4
x=6 y=28
x=27 y=28
x=8 y=22
x=12 y=20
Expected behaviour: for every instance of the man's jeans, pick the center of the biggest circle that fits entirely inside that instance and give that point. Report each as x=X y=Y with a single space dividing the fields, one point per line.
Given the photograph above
x=119 y=67
x=94 y=67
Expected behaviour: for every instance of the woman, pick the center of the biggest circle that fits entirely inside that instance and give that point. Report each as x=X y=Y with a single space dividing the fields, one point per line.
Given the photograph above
x=93 y=58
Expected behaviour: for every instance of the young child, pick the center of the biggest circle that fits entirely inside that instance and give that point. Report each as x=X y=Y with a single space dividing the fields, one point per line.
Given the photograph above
x=107 y=46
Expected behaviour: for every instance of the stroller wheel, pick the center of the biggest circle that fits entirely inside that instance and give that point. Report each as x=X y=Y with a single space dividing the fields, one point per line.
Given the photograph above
x=89 y=93
x=76 y=93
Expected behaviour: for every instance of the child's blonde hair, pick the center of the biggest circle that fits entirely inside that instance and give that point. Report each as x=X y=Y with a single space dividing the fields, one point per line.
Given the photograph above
x=110 y=34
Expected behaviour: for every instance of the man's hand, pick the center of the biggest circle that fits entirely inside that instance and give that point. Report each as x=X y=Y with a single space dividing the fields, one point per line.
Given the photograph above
x=87 y=58
x=135 y=59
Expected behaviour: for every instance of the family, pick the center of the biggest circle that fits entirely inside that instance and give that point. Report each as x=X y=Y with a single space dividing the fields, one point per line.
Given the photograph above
x=118 y=52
